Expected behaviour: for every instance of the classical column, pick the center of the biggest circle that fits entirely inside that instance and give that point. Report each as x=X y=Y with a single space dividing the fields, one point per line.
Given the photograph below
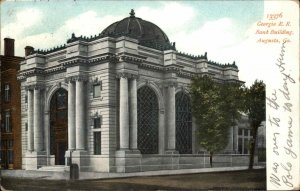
x=80 y=106
x=124 y=115
x=71 y=116
x=38 y=129
x=30 y=120
x=235 y=139
x=171 y=124
x=133 y=114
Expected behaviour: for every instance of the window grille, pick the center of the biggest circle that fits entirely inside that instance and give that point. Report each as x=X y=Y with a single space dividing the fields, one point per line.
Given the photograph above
x=147 y=114
x=183 y=124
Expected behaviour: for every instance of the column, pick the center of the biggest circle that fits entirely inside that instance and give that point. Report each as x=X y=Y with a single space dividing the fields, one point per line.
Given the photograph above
x=133 y=114
x=30 y=120
x=80 y=126
x=71 y=116
x=235 y=139
x=171 y=117
x=124 y=115
x=38 y=129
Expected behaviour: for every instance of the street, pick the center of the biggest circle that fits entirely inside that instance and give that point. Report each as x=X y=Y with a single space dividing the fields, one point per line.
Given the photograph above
x=237 y=180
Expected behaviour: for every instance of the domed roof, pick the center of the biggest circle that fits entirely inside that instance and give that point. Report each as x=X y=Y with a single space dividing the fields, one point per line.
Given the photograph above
x=146 y=32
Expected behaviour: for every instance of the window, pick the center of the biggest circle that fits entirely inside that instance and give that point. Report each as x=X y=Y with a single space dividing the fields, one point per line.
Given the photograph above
x=244 y=138
x=97 y=90
x=97 y=143
x=147 y=117
x=97 y=122
x=26 y=98
x=6 y=92
x=26 y=126
x=10 y=152
x=183 y=123
x=7 y=123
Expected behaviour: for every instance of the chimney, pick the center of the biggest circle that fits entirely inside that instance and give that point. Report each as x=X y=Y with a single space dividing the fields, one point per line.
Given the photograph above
x=28 y=50
x=9 y=47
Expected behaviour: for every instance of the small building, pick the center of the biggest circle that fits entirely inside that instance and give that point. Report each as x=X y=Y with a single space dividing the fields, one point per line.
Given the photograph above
x=116 y=102
x=10 y=108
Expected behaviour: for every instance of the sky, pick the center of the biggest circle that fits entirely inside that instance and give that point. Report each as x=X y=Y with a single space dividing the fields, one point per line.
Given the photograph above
x=221 y=28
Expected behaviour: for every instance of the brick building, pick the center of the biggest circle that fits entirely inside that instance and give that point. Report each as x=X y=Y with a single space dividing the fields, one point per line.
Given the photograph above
x=10 y=155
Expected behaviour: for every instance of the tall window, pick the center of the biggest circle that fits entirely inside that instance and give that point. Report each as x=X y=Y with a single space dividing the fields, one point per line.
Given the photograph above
x=97 y=90
x=97 y=122
x=6 y=92
x=10 y=152
x=7 y=122
x=244 y=137
x=183 y=123
x=147 y=117
x=97 y=143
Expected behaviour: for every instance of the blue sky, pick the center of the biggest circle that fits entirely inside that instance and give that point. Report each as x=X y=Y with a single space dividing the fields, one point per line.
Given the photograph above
x=216 y=27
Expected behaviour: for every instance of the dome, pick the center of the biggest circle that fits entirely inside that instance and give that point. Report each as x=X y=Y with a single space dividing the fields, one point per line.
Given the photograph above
x=146 y=32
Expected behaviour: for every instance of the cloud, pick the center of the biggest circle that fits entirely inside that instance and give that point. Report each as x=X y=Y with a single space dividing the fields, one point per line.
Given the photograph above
x=86 y=24
x=24 y=20
x=171 y=17
x=212 y=37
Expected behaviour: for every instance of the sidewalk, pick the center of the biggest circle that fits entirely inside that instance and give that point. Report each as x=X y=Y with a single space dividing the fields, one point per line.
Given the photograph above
x=54 y=175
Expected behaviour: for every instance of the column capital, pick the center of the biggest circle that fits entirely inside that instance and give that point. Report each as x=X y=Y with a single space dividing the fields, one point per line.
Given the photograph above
x=127 y=75
x=169 y=84
x=35 y=86
x=83 y=78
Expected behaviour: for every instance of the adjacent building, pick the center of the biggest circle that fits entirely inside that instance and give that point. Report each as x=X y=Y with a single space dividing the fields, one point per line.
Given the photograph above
x=116 y=102
x=10 y=108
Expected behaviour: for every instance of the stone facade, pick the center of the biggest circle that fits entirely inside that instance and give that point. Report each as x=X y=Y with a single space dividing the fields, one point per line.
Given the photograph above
x=105 y=129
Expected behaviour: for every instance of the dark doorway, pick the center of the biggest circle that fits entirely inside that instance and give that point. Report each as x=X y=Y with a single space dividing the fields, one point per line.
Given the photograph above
x=59 y=125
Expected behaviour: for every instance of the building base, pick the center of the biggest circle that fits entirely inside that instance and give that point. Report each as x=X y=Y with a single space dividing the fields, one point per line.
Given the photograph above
x=35 y=160
x=79 y=158
x=128 y=161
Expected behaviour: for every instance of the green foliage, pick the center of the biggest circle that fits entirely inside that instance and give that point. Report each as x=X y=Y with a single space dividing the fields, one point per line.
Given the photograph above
x=255 y=105
x=215 y=108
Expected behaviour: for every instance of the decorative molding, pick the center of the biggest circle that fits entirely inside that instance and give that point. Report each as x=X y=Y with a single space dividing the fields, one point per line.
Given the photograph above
x=35 y=86
x=73 y=61
x=167 y=84
x=83 y=78
x=135 y=59
x=127 y=75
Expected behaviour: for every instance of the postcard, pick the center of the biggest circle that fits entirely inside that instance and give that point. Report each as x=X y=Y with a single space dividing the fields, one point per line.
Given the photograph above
x=102 y=89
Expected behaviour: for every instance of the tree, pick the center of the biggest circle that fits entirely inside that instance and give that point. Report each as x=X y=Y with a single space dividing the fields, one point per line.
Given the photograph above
x=255 y=107
x=215 y=108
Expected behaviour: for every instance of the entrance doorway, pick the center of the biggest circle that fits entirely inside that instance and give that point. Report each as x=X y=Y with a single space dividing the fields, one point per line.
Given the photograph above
x=59 y=125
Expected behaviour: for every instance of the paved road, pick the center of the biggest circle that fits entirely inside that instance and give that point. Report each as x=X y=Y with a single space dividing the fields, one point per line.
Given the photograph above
x=237 y=180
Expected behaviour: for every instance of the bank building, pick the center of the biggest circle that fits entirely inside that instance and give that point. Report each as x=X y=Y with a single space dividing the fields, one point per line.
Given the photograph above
x=117 y=102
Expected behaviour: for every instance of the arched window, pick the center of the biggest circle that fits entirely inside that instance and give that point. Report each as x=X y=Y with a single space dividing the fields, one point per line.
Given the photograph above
x=147 y=111
x=183 y=124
